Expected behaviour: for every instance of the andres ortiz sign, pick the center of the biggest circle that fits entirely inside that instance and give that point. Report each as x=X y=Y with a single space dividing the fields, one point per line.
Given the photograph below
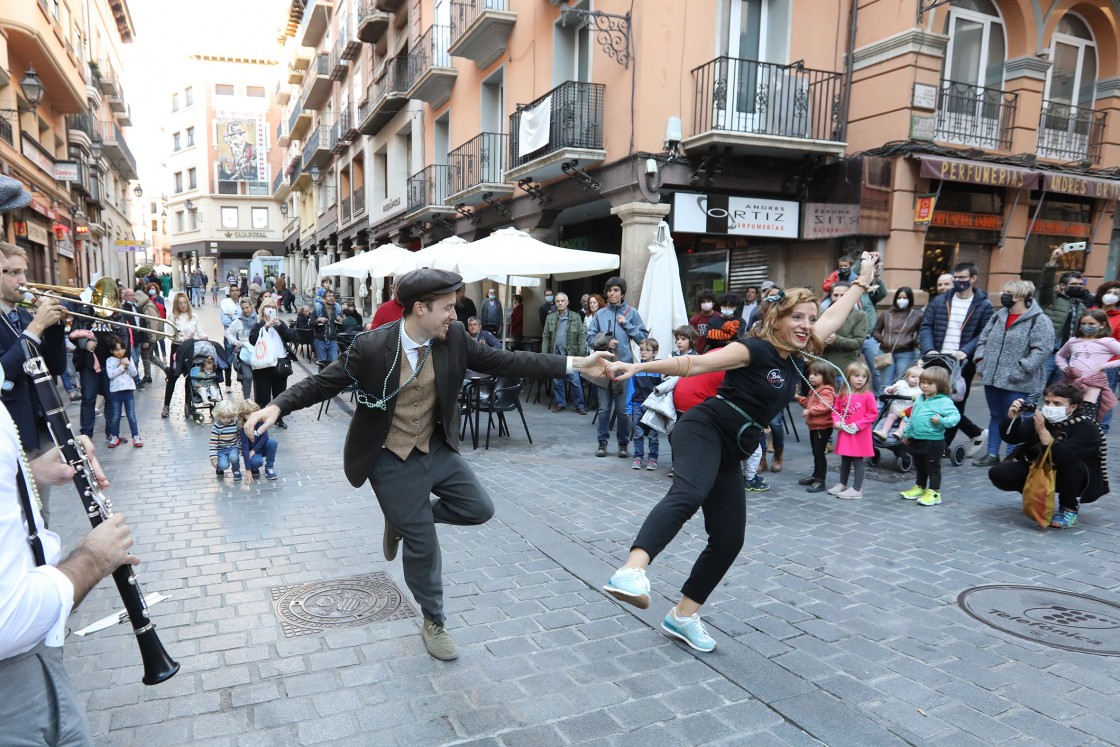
x=734 y=215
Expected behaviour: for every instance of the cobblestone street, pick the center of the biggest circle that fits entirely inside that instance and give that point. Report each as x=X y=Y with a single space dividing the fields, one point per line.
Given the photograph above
x=838 y=625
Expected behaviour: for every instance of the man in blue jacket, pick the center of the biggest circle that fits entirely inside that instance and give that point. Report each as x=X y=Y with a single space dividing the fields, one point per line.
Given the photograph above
x=952 y=324
x=619 y=324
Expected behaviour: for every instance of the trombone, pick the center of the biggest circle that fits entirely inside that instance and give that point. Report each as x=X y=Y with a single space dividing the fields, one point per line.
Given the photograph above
x=105 y=303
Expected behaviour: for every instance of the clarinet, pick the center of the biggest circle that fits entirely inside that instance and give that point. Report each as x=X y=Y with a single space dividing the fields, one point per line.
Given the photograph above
x=158 y=665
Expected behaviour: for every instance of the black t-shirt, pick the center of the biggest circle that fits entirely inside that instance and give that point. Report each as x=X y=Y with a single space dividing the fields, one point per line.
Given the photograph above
x=765 y=386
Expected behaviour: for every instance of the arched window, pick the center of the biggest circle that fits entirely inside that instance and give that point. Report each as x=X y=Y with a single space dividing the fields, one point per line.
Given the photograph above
x=1069 y=128
x=974 y=111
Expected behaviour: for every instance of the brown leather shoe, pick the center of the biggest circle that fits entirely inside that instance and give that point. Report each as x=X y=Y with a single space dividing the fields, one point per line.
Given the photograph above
x=776 y=462
x=762 y=464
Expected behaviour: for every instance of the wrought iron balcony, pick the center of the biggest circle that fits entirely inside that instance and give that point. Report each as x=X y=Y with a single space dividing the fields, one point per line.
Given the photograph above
x=430 y=74
x=298 y=121
x=384 y=97
x=575 y=131
x=975 y=116
x=480 y=29
x=338 y=64
x=340 y=133
x=79 y=128
x=372 y=23
x=765 y=107
x=428 y=188
x=359 y=200
x=282 y=138
x=116 y=149
x=478 y=166
x=107 y=79
x=317 y=151
x=317 y=85
x=6 y=133
x=344 y=209
x=349 y=47
x=1071 y=133
x=349 y=129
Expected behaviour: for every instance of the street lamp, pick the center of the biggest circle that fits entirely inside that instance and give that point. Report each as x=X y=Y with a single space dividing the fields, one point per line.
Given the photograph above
x=32 y=88
x=139 y=191
x=314 y=171
x=189 y=206
x=284 y=209
x=95 y=147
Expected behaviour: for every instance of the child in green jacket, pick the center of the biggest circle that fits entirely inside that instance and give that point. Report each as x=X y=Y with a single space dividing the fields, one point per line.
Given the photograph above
x=932 y=414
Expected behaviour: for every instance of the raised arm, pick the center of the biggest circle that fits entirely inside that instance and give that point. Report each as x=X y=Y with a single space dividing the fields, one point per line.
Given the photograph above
x=727 y=358
x=834 y=316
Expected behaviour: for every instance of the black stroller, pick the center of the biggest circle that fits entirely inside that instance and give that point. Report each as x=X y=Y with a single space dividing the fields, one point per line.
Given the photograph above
x=891 y=443
x=956 y=453
x=203 y=390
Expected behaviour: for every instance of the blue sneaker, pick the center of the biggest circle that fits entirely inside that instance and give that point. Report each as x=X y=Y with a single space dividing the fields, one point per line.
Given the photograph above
x=1063 y=519
x=270 y=473
x=690 y=630
x=629 y=585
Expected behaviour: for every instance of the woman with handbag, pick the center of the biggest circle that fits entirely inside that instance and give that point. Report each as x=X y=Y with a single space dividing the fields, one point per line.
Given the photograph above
x=238 y=337
x=186 y=328
x=271 y=363
x=1076 y=447
x=896 y=331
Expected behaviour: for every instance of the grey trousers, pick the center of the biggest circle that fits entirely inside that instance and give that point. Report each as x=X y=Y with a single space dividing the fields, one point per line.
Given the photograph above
x=404 y=489
x=38 y=705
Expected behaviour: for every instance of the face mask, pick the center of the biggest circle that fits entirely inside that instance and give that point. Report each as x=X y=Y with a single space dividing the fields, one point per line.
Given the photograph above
x=152 y=293
x=902 y=303
x=960 y=286
x=1090 y=330
x=726 y=311
x=1076 y=292
x=1007 y=300
x=844 y=273
x=548 y=298
x=1054 y=413
x=491 y=296
x=707 y=306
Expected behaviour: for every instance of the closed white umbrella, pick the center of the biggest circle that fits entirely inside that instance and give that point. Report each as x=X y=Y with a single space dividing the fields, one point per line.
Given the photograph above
x=662 y=307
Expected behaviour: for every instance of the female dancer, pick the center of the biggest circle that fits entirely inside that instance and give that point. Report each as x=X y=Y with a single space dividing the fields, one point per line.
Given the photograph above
x=710 y=440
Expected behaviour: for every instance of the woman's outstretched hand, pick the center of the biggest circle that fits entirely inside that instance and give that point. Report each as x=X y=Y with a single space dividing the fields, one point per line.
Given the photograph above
x=622 y=371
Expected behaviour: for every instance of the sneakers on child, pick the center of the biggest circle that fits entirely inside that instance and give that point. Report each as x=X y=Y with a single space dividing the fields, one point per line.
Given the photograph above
x=881 y=434
x=930 y=498
x=637 y=463
x=913 y=493
x=137 y=442
x=1063 y=519
x=757 y=484
x=256 y=472
x=651 y=465
x=837 y=489
x=851 y=494
x=807 y=481
x=688 y=629
x=114 y=442
x=270 y=473
x=629 y=585
x=237 y=475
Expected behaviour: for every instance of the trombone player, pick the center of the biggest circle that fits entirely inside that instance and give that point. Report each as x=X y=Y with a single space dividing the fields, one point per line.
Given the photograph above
x=41 y=325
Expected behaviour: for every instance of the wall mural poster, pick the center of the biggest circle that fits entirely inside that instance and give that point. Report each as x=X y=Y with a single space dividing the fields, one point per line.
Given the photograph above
x=239 y=158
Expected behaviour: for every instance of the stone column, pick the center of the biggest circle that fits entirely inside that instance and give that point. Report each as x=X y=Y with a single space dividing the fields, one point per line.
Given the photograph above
x=639 y=226
x=345 y=285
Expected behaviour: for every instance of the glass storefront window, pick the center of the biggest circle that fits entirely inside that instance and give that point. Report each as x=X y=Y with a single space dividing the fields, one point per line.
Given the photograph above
x=700 y=271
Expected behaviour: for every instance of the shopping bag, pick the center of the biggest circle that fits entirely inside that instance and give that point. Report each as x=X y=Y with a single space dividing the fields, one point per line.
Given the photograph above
x=267 y=351
x=1038 y=491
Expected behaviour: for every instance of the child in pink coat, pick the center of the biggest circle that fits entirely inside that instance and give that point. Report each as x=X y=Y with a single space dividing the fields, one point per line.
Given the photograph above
x=854 y=415
x=1085 y=357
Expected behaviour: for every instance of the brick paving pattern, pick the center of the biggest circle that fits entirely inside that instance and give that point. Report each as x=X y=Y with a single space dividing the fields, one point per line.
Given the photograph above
x=838 y=624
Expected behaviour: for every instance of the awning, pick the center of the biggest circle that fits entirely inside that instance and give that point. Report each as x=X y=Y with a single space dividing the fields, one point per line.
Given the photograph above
x=978 y=172
x=1086 y=186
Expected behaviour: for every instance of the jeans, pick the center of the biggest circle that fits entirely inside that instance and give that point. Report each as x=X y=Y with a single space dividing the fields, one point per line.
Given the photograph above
x=897 y=370
x=232 y=360
x=577 y=390
x=870 y=350
x=777 y=432
x=136 y=360
x=615 y=403
x=1052 y=375
x=999 y=402
x=326 y=350
x=93 y=384
x=1112 y=374
x=125 y=398
x=645 y=432
x=268 y=459
x=230 y=457
x=1070 y=481
x=196 y=296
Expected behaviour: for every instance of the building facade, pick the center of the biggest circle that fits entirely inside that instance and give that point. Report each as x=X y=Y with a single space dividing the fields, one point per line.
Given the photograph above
x=68 y=148
x=220 y=160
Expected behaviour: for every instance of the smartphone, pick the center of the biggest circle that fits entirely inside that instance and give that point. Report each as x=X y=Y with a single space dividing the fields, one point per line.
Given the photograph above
x=1073 y=246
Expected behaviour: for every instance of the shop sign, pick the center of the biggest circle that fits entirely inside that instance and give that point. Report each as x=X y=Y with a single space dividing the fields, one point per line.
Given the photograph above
x=825 y=220
x=977 y=172
x=66 y=171
x=64 y=248
x=42 y=209
x=735 y=216
x=37 y=234
x=32 y=151
x=975 y=221
x=130 y=245
x=1061 y=228
x=1086 y=186
x=923 y=209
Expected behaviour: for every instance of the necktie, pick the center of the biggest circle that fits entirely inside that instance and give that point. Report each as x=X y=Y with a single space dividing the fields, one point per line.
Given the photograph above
x=13 y=315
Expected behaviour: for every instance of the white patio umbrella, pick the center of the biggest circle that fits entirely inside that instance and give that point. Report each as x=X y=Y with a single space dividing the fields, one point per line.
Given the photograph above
x=376 y=263
x=662 y=306
x=446 y=255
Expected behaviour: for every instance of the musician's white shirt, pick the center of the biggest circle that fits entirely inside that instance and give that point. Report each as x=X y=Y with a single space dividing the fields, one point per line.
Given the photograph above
x=34 y=601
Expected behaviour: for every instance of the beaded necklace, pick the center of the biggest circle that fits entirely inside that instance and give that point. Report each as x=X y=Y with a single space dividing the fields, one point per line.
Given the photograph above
x=381 y=403
x=26 y=465
x=847 y=403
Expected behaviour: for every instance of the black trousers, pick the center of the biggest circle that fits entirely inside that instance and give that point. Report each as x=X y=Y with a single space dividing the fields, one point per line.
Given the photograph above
x=927 y=461
x=1070 y=483
x=702 y=480
x=818 y=440
x=970 y=429
x=172 y=376
x=267 y=385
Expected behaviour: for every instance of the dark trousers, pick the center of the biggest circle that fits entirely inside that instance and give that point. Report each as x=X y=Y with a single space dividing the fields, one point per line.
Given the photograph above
x=172 y=376
x=93 y=384
x=701 y=481
x=267 y=385
x=818 y=440
x=927 y=462
x=970 y=429
x=404 y=489
x=1070 y=483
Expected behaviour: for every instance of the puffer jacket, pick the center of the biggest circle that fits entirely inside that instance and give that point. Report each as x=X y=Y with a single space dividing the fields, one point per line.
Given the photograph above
x=935 y=322
x=1012 y=358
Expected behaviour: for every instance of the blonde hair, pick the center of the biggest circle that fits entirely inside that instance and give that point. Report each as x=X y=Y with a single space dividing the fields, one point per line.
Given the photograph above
x=783 y=307
x=937 y=376
x=856 y=367
x=226 y=410
x=914 y=370
x=1019 y=288
x=175 y=305
x=244 y=410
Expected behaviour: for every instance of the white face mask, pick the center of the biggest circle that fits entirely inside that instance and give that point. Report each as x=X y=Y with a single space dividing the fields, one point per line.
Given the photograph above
x=1054 y=413
x=1110 y=299
x=727 y=311
x=707 y=306
x=903 y=302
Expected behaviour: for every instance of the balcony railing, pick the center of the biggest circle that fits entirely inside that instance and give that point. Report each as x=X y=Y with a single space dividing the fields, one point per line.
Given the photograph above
x=276 y=182
x=430 y=51
x=6 y=133
x=464 y=13
x=576 y=121
x=344 y=209
x=384 y=97
x=359 y=200
x=1071 y=133
x=312 y=144
x=428 y=187
x=113 y=139
x=975 y=116
x=78 y=122
x=480 y=160
x=761 y=98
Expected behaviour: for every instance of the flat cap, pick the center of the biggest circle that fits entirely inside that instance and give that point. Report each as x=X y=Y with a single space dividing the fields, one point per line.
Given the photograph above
x=12 y=194
x=414 y=285
x=766 y=285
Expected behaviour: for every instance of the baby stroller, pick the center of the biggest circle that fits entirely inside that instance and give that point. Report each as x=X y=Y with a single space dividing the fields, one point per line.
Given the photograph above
x=203 y=388
x=891 y=443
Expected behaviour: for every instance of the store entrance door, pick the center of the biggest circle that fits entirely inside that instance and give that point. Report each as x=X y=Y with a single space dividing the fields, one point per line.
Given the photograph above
x=940 y=257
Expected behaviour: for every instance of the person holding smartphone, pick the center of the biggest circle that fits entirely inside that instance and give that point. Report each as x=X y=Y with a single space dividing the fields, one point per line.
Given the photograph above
x=271 y=380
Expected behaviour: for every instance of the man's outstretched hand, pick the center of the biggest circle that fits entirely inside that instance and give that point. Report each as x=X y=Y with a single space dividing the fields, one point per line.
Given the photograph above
x=596 y=364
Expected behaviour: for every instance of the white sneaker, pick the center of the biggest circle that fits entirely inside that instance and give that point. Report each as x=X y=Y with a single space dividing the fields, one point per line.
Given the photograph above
x=978 y=444
x=851 y=494
x=837 y=489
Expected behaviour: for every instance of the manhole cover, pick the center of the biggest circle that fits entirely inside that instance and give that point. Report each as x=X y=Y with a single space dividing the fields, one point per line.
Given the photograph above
x=339 y=603
x=1061 y=619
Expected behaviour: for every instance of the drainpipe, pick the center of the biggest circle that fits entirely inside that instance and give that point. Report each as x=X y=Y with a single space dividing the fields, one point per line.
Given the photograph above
x=853 y=16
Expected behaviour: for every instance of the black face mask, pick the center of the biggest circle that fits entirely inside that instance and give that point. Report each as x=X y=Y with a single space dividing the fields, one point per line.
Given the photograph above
x=960 y=286
x=844 y=274
x=1007 y=300
x=1076 y=292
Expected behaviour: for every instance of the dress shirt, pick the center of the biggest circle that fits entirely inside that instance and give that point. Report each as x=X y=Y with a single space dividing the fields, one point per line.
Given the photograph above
x=34 y=601
x=412 y=350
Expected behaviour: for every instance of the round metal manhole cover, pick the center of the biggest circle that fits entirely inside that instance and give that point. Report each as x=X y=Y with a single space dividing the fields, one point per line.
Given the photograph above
x=339 y=603
x=1061 y=619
